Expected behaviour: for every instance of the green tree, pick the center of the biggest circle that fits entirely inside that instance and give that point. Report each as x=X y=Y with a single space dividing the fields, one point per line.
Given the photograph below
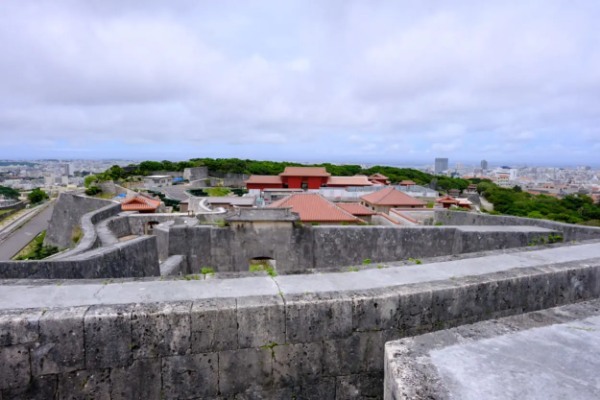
x=88 y=180
x=37 y=195
x=9 y=193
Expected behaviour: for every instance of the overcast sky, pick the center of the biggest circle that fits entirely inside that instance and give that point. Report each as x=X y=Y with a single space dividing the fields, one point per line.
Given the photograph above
x=355 y=81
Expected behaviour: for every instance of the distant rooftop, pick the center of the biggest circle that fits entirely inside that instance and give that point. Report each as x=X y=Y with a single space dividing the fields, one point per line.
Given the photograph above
x=313 y=207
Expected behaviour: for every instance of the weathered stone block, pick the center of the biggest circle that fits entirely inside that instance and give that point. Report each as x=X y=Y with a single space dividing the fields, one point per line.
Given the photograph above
x=415 y=309
x=261 y=321
x=15 y=370
x=359 y=387
x=191 y=376
x=376 y=310
x=107 y=337
x=361 y=352
x=18 y=327
x=214 y=325
x=141 y=380
x=245 y=368
x=297 y=363
x=160 y=329
x=317 y=389
x=39 y=388
x=85 y=384
x=444 y=304
x=311 y=318
x=60 y=347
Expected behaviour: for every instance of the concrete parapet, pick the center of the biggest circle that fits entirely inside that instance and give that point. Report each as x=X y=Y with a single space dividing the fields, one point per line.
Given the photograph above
x=569 y=231
x=537 y=355
x=136 y=258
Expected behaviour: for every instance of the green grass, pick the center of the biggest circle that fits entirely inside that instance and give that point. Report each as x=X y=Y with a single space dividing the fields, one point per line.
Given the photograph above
x=207 y=271
x=366 y=261
x=263 y=267
x=36 y=250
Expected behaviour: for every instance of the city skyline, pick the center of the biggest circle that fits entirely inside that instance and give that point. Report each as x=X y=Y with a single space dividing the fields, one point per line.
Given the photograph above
x=344 y=82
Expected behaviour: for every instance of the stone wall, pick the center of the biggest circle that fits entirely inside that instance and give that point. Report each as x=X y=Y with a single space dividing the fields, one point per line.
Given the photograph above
x=569 y=231
x=299 y=248
x=68 y=212
x=12 y=209
x=135 y=258
x=324 y=345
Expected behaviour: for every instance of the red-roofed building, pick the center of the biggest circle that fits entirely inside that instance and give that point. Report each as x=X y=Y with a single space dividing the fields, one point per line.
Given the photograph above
x=312 y=207
x=447 y=201
x=141 y=204
x=304 y=177
x=383 y=200
x=264 y=182
x=344 y=181
x=407 y=183
x=358 y=210
x=379 y=178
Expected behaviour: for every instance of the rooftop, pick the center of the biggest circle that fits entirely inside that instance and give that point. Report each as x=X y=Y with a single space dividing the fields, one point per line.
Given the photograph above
x=305 y=171
x=355 y=209
x=357 y=180
x=314 y=208
x=140 y=203
x=391 y=197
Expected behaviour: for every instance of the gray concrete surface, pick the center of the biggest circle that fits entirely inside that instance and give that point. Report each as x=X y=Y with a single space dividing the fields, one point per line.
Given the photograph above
x=549 y=354
x=25 y=234
x=555 y=362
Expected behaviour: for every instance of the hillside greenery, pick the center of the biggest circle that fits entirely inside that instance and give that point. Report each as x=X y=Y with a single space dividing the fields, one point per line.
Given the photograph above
x=9 y=193
x=574 y=208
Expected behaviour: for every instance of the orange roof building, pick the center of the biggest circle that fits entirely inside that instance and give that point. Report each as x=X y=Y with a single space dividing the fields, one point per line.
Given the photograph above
x=312 y=207
x=385 y=199
x=264 y=182
x=358 y=210
x=343 y=181
x=304 y=177
x=407 y=183
x=447 y=201
x=141 y=204
x=379 y=178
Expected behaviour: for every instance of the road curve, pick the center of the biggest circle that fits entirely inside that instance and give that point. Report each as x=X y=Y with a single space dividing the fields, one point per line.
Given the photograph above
x=19 y=238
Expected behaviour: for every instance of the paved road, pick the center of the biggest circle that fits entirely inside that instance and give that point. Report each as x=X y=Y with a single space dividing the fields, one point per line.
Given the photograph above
x=25 y=234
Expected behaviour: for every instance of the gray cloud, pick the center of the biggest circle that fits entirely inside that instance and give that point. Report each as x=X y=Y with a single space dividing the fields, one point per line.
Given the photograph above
x=395 y=79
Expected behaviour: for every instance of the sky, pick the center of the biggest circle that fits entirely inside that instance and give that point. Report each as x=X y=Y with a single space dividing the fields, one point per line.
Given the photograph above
x=394 y=82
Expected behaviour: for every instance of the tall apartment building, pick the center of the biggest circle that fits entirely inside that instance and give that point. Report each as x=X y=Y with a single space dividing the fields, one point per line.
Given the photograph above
x=441 y=165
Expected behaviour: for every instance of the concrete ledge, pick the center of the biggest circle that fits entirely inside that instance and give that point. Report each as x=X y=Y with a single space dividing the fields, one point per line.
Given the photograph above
x=538 y=355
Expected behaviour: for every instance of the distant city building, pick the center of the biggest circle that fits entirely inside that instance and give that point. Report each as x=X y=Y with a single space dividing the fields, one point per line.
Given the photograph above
x=484 y=165
x=441 y=165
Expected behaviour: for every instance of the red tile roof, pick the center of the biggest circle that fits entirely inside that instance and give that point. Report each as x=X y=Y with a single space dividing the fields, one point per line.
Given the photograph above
x=314 y=208
x=447 y=200
x=357 y=180
x=355 y=209
x=305 y=171
x=264 y=179
x=377 y=175
x=391 y=197
x=140 y=203
x=407 y=183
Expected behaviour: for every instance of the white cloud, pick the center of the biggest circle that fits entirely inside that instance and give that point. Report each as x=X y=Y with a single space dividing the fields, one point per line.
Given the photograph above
x=443 y=78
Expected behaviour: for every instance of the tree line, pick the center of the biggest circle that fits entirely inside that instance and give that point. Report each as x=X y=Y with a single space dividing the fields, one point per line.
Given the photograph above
x=573 y=208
